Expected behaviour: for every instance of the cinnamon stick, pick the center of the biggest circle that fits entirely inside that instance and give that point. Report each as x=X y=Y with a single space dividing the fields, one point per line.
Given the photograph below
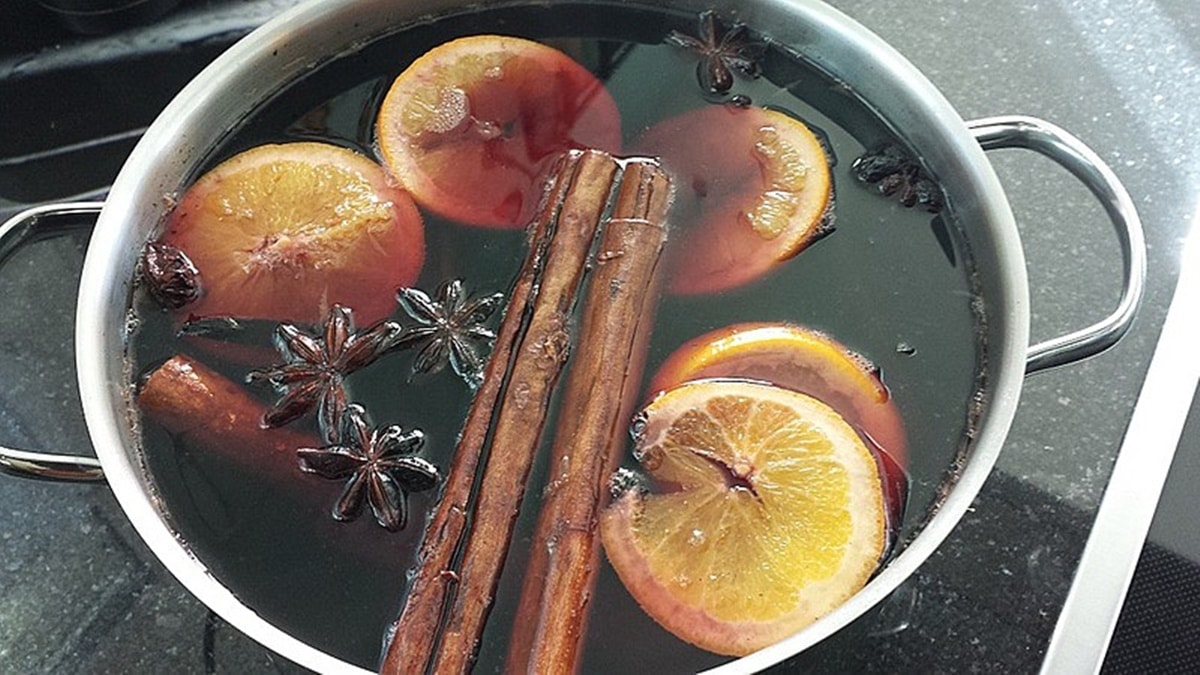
x=208 y=410
x=601 y=392
x=212 y=414
x=446 y=607
x=409 y=650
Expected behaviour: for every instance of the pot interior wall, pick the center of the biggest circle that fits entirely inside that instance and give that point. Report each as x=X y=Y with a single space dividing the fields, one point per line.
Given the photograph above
x=197 y=124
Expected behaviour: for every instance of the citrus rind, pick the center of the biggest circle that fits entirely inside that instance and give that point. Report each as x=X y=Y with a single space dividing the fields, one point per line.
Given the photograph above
x=471 y=125
x=796 y=358
x=284 y=231
x=754 y=194
x=769 y=514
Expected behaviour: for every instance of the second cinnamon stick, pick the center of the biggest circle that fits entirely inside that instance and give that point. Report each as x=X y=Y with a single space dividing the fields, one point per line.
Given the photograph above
x=601 y=392
x=447 y=605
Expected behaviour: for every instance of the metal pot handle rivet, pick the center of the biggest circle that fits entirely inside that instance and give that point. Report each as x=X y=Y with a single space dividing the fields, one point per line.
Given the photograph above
x=1053 y=142
x=35 y=224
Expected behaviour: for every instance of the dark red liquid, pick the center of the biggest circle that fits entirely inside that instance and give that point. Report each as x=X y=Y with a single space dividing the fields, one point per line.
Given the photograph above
x=889 y=280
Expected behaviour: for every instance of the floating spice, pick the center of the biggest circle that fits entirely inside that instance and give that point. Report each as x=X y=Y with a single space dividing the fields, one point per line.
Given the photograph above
x=896 y=174
x=170 y=276
x=451 y=327
x=601 y=392
x=378 y=465
x=720 y=57
x=316 y=365
x=220 y=327
x=204 y=409
x=468 y=535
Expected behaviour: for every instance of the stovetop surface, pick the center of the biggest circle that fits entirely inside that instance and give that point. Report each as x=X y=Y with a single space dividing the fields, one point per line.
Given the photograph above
x=79 y=592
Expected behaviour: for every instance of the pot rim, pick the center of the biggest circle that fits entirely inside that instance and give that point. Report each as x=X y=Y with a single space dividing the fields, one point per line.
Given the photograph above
x=139 y=195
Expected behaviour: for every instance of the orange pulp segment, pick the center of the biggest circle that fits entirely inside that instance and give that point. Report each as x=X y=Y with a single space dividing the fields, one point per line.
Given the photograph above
x=769 y=514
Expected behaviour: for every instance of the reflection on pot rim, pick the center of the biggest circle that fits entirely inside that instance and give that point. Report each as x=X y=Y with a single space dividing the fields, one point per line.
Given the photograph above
x=285 y=48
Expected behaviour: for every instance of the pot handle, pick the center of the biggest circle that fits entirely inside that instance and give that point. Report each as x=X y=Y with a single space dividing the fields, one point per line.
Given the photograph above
x=1053 y=142
x=35 y=224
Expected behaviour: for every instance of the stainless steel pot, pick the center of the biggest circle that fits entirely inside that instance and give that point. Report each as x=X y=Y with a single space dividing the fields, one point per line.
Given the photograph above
x=288 y=47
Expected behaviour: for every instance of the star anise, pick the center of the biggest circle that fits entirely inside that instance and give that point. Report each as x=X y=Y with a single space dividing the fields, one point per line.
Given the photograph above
x=316 y=365
x=720 y=57
x=378 y=466
x=895 y=174
x=451 y=327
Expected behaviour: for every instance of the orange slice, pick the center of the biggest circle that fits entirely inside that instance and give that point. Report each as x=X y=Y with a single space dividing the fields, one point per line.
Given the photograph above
x=755 y=186
x=770 y=514
x=472 y=125
x=283 y=232
x=799 y=359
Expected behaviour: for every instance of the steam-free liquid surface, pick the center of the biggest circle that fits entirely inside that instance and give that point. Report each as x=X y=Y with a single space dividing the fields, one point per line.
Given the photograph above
x=891 y=283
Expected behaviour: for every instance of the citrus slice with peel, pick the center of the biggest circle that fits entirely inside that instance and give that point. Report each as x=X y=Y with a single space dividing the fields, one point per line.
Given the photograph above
x=472 y=125
x=754 y=184
x=284 y=232
x=796 y=358
x=765 y=513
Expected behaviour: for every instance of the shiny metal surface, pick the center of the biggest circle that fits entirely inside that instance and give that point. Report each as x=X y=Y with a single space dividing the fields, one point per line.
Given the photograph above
x=45 y=466
x=31 y=225
x=162 y=162
x=995 y=133
x=297 y=41
x=1121 y=74
x=41 y=222
x=176 y=144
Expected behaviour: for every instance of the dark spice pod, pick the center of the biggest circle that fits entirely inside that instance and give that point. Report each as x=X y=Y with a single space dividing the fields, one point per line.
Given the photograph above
x=878 y=164
x=171 y=278
x=895 y=174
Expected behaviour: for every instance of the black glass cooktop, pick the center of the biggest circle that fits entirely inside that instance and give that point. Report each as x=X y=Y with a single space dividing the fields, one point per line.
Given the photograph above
x=1159 y=626
x=79 y=592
